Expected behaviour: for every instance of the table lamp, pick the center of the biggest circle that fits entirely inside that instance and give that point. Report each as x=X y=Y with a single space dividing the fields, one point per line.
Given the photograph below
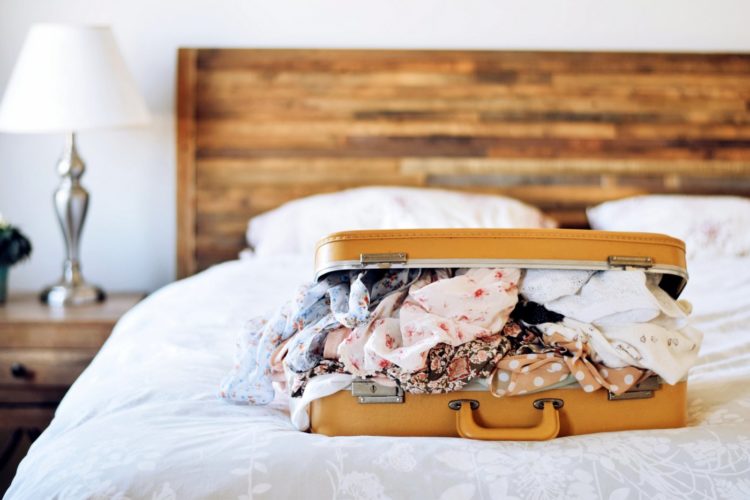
x=67 y=79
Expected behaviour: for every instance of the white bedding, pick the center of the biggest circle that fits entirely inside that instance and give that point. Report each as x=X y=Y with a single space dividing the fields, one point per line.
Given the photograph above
x=143 y=421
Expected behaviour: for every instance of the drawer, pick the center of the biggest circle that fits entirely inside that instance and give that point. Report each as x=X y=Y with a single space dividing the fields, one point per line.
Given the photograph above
x=20 y=368
x=38 y=416
x=48 y=334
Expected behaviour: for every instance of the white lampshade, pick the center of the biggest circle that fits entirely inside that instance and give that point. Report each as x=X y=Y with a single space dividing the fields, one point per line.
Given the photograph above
x=70 y=78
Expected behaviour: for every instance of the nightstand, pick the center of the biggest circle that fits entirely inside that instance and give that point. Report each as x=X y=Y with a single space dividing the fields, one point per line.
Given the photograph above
x=42 y=351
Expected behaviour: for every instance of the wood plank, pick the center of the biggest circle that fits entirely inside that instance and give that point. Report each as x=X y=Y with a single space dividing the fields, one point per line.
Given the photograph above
x=298 y=176
x=280 y=133
x=708 y=130
x=364 y=60
x=226 y=87
x=32 y=416
x=572 y=167
x=186 y=130
x=21 y=396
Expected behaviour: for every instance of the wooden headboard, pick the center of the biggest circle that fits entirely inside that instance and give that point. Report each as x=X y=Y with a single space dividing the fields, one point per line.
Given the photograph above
x=560 y=130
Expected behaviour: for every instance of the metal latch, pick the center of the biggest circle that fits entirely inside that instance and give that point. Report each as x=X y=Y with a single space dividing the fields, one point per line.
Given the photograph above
x=385 y=259
x=642 y=390
x=626 y=261
x=367 y=392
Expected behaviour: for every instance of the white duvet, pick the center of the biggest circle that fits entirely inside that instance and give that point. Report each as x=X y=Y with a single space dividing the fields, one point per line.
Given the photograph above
x=144 y=421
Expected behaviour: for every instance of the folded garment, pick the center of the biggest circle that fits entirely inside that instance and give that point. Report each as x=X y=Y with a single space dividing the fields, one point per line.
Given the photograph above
x=333 y=340
x=600 y=349
x=347 y=305
x=250 y=378
x=658 y=346
x=450 y=368
x=298 y=381
x=540 y=361
x=305 y=348
x=317 y=387
x=628 y=321
x=351 y=307
x=316 y=309
x=276 y=361
x=384 y=320
x=545 y=285
x=517 y=375
x=617 y=297
x=454 y=311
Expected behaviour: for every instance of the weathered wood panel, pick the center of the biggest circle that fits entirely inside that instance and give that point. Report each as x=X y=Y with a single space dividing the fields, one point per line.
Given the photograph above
x=187 y=209
x=561 y=130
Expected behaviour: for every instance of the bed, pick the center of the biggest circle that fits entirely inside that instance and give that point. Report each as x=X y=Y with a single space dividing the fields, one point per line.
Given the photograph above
x=562 y=131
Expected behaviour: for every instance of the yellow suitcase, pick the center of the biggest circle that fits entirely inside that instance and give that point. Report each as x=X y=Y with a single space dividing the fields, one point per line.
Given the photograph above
x=370 y=409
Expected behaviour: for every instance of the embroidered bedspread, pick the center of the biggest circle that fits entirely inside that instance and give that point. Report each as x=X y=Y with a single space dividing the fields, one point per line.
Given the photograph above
x=144 y=421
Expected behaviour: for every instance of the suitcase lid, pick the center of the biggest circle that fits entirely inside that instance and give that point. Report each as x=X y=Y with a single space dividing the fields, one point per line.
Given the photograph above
x=521 y=248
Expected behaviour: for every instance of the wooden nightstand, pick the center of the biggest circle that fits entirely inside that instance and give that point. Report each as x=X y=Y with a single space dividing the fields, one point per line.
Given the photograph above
x=42 y=351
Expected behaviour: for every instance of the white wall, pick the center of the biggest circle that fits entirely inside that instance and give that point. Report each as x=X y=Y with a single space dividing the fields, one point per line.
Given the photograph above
x=129 y=238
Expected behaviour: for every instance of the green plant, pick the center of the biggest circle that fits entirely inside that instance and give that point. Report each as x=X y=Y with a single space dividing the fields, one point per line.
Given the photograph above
x=14 y=246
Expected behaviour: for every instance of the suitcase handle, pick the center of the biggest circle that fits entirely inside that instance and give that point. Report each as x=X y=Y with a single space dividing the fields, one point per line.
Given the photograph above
x=547 y=428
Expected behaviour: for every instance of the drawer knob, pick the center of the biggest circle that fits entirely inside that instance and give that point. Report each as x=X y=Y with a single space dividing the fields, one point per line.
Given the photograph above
x=18 y=370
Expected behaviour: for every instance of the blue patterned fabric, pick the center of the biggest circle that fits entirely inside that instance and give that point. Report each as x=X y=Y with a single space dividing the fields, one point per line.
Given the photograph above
x=341 y=299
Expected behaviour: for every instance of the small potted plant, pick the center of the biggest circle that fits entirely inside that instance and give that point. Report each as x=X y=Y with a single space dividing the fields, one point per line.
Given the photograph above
x=14 y=247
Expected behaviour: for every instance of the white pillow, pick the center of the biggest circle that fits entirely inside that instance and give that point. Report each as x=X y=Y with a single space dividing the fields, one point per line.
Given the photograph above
x=710 y=226
x=296 y=226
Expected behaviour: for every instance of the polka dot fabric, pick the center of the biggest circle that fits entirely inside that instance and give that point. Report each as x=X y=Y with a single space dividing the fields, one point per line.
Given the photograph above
x=523 y=373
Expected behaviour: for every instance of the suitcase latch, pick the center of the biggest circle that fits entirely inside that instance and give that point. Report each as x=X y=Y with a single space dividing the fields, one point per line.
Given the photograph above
x=382 y=259
x=368 y=392
x=642 y=390
x=627 y=261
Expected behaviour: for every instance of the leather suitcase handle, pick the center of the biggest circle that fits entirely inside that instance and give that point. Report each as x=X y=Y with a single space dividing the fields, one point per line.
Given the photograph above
x=547 y=428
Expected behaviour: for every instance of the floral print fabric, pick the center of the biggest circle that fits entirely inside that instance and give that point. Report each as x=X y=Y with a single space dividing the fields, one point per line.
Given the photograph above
x=451 y=311
x=437 y=309
x=353 y=351
x=449 y=368
x=299 y=381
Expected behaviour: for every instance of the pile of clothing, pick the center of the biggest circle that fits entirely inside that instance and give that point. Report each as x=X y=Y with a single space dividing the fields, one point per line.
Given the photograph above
x=512 y=331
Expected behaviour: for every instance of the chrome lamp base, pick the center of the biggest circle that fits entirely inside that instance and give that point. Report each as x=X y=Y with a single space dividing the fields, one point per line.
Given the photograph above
x=71 y=203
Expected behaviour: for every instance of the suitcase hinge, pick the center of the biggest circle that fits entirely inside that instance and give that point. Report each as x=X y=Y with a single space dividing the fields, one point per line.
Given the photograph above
x=368 y=392
x=642 y=390
x=382 y=259
x=626 y=262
